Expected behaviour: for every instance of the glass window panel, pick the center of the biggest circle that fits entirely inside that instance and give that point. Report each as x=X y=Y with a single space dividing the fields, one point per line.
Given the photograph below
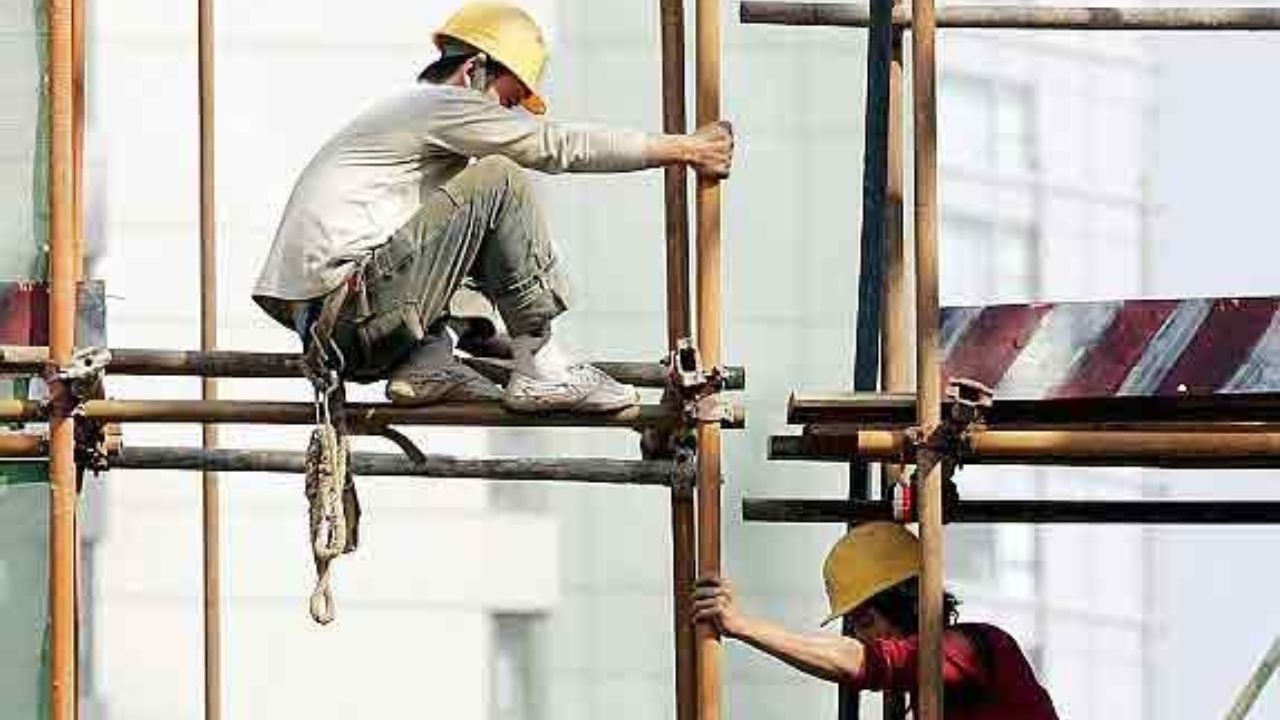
x=514 y=668
x=966 y=125
x=1015 y=147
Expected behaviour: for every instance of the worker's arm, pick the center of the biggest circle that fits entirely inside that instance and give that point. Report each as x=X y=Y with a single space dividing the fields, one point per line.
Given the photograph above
x=474 y=125
x=830 y=657
x=886 y=664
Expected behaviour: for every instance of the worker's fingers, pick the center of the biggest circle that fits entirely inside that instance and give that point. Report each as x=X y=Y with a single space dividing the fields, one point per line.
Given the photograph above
x=708 y=611
x=713 y=582
x=712 y=589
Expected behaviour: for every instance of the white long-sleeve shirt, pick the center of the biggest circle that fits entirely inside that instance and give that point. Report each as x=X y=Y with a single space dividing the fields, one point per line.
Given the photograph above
x=371 y=177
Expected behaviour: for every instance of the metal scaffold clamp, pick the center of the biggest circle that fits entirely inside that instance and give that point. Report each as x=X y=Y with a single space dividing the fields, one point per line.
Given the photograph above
x=693 y=390
x=70 y=386
x=947 y=444
x=698 y=387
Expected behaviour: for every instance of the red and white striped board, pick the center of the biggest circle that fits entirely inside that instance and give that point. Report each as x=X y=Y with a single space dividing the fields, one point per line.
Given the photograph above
x=1122 y=348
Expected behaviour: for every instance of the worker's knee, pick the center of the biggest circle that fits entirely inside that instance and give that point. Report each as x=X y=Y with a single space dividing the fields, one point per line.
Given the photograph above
x=498 y=170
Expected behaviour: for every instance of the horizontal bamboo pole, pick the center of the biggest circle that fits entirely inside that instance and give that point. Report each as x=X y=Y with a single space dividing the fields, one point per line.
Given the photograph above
x=1145 y=512
x=582 y=470
x=359 y=415
x=1021 y=17
x=23 y=445
x=899 y=409
x=1082 y=448
x=18 y=360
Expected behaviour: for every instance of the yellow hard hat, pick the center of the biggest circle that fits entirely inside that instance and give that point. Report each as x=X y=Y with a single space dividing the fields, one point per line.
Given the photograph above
x=507 y=34
x=869 y=559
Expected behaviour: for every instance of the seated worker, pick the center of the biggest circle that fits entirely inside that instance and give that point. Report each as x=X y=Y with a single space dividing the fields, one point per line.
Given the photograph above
x=872 y=575
x=422 y=197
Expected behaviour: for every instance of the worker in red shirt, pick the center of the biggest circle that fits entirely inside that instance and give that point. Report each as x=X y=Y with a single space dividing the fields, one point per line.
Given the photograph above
x=872 y=575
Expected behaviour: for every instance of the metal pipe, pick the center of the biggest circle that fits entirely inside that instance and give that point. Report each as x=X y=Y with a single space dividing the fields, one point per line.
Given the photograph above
x=359 y=415
x=209 y=496
x=676 y=208
x=23 y=445
x=62 y=321
x=1023 y=17
x=899 y=409
x=1080 y=448
x=21 y=360
x=1145 y=512
x=709 y=309
x=580 y=470
x=869 y=329
x=78 y=28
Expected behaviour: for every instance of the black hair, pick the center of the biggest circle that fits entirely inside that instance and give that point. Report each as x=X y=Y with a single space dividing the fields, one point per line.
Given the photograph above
x=444 y=68
x=899 y=605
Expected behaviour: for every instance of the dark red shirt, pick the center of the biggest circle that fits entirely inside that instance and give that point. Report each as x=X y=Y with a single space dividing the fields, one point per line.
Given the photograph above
x=984 y=673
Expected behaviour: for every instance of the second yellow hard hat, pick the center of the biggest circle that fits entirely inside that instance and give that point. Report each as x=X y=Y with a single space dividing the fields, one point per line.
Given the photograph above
x=869 y=559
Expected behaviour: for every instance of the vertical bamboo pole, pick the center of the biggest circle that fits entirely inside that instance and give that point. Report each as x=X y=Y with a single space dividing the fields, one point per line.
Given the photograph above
x=928 y=381
x=78 y=27
x=208 y=387
x=62 y=319
x=708 y=211
x=895 y=373
x=78 y=30
x=676 y=196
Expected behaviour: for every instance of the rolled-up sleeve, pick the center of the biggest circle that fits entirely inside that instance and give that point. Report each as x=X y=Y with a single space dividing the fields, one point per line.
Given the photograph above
x=477 y=126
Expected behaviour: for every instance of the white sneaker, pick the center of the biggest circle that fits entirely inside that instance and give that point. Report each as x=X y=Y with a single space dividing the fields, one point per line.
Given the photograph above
x=587 y=390
x=453 y=382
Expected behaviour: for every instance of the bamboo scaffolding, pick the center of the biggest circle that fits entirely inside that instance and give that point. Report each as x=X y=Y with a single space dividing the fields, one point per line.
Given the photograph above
x=899 y=409
x=1080 y=448
x=928 y=358
x=679 y=321
x=23 y=445
x=1145 y=512
x=359 y=415
x=601 y=471
x=1022 y=17
x=896 y=339
x=15 y=360
x=62 y=314
x=210 y=502
x=708 y=652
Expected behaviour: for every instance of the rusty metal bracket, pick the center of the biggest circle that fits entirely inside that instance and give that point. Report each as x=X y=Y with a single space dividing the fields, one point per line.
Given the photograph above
x=697 y=387
x=684 y=474
x=70 y=386
x=947 y=444
x=78 y=381
x=695 y=390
